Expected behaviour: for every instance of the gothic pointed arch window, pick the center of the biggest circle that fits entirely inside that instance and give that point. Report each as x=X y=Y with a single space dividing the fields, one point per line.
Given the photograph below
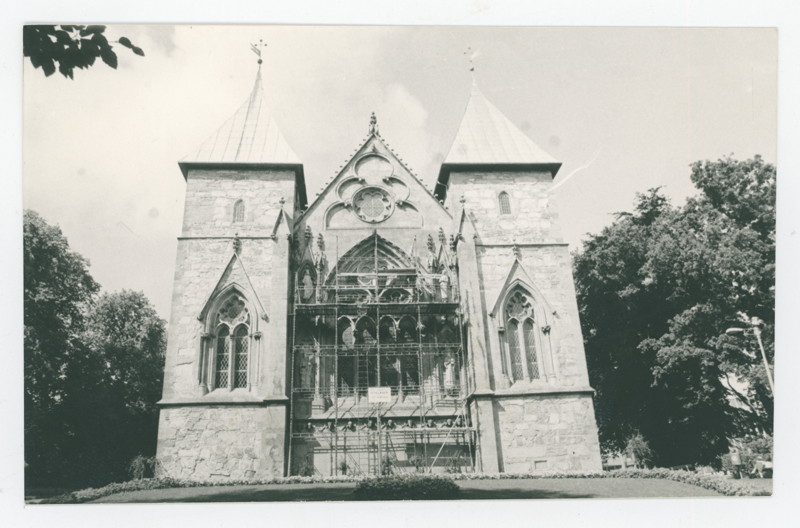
x=231 y=343
x=505 y=203
x=238 y=211
x=521 y=331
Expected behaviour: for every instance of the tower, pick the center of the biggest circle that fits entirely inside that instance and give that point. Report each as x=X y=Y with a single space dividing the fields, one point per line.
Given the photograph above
x=223 y=411
x=532 y=404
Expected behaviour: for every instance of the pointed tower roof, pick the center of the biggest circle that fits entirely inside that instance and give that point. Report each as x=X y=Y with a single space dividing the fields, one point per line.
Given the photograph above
x=487 y=139
x=250 y=138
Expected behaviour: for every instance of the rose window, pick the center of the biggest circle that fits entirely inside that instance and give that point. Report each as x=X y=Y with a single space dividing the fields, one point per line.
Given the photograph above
x=372 y=205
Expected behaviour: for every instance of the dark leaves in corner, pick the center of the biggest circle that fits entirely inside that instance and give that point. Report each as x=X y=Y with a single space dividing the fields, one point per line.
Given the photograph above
x=67 y=47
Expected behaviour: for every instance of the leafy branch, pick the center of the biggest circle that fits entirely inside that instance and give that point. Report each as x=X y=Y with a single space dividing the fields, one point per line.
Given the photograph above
x=70 y=46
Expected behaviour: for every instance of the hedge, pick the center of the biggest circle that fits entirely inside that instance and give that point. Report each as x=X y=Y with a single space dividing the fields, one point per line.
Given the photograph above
x=407 y=487
x=713 y=482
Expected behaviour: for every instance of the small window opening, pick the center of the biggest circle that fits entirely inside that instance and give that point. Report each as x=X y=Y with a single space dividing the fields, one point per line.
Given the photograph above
x=238 y=211
x=505 y=203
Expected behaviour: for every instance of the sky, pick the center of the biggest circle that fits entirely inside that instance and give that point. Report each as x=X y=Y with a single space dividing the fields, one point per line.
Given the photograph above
x=624 y=110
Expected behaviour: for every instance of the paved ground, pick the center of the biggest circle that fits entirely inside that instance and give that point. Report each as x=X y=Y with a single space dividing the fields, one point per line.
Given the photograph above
x=470 y=490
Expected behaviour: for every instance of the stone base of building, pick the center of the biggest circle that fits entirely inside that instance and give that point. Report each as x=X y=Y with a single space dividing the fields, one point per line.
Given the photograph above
x=525 y=433
x=222 y=442
x=546 y=432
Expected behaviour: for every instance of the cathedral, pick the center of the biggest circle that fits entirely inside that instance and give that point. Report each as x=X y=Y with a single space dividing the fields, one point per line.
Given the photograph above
x=382 y=328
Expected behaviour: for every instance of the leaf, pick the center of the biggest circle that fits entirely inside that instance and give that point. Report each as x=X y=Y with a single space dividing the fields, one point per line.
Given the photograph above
x=48 y=66
x=138 y=51
x=96 y=30
x=109 y=57
x=65 y=69
x=125 y=41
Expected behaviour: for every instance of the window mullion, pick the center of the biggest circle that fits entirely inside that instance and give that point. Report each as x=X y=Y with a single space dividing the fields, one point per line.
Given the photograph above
x=232 y=361
x=523 y=351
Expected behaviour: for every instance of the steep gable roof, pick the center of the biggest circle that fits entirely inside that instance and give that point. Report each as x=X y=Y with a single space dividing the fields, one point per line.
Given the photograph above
x=488 y=138
x=250 y=137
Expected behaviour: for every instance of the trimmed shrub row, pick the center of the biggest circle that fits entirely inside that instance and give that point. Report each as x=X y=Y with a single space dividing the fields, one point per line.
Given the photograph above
x=407 y=487
x=403 y=481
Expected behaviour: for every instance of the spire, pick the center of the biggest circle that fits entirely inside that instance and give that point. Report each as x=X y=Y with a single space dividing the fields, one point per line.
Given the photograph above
x=250 y=136
x=488 y=138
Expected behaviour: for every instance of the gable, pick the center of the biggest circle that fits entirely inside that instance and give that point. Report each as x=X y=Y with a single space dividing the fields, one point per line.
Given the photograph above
x=375 y=190
x=235 y=276
x=517 y=276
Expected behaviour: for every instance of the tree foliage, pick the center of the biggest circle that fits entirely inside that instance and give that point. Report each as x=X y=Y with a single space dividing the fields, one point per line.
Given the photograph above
x=93 y=368
x=657 y=289
x=70 y=46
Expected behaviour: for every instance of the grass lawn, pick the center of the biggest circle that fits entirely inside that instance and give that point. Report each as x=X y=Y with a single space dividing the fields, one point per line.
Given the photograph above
x=471 y=490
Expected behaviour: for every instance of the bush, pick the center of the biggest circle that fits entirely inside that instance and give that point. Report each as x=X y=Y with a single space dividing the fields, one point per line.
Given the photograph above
x=639 y=449
x=406 y=487
x=143 y=467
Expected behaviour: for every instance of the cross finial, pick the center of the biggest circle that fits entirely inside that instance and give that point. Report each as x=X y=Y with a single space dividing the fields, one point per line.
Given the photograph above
x=472 y=55
x=282 y=201
x=463 y=199
x=257 y=50
x=373 y=125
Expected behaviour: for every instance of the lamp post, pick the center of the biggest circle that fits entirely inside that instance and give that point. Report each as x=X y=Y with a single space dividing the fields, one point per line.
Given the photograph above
x=755 y=324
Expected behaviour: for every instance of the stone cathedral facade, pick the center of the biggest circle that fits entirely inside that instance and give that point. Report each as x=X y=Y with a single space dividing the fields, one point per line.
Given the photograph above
x=459 y=303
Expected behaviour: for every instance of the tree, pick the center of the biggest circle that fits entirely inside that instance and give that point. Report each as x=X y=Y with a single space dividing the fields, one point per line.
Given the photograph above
x=115 y=415
x=657 y=290
x=58 y=291
x=70 y=46
x=93 y=368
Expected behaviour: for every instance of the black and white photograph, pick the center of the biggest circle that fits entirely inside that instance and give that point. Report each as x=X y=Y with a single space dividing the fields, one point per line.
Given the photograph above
x=284 y=263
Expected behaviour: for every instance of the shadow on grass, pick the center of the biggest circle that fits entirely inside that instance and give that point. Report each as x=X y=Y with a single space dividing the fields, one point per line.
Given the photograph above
x=331 y=494
x=288 y=494
x=518 y=493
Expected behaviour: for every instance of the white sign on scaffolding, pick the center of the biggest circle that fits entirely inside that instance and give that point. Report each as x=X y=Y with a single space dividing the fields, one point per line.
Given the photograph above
x=379 y=394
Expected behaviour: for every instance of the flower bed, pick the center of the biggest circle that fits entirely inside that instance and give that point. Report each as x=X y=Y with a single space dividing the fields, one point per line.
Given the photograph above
x=712 y=482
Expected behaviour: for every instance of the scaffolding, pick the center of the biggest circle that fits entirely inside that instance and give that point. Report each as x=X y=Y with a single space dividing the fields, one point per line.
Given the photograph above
x=380 y=319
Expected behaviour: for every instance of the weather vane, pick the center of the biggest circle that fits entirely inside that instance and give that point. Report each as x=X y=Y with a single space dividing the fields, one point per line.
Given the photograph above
x=471 y=57
x=257 y=50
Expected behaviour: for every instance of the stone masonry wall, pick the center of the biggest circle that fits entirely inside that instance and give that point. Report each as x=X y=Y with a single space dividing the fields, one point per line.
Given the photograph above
x=211 y=195
x=550 y=270
x=199 y=267
x=199 y=443
x=554 y=432
x=205 y=251
x=533 y=217
x=545 y=424
x=225 y=438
